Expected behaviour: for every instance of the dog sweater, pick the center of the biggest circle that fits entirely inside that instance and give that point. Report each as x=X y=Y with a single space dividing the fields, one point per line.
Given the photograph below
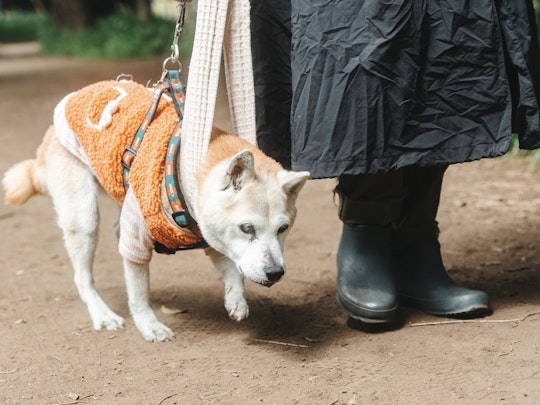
x=96 y=124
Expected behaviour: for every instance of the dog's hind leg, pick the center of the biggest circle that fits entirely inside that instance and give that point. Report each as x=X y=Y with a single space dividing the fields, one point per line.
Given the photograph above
x=138 y=286
x=233 y=283
x=74 y=191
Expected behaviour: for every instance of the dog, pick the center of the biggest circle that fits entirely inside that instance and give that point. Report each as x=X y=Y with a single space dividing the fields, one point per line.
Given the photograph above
x=245 y=203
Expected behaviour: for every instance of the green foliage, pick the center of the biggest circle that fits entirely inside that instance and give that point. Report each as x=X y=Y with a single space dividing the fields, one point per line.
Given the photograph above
x=16 y=26
x=119 y=36
x=532 y=155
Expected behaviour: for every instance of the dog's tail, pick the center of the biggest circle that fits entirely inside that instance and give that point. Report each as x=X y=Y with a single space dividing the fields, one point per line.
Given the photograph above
x=27 y=178
x=21 y=182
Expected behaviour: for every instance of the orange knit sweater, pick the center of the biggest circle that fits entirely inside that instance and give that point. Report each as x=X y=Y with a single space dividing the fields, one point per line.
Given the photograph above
x=105 y=117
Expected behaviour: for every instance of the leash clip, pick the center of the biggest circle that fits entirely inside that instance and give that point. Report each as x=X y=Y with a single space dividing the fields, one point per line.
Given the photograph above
x=128 y=157
x=175 y=52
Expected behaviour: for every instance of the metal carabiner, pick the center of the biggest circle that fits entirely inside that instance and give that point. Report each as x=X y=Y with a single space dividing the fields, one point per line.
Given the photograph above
x=178 y=30
x=175 y=52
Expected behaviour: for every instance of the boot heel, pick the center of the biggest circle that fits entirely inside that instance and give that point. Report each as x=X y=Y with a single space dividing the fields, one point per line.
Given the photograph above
x=423 y=283
x=365 y=282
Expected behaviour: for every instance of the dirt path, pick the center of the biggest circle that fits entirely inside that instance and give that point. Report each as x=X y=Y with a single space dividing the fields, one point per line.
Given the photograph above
x=296 y=348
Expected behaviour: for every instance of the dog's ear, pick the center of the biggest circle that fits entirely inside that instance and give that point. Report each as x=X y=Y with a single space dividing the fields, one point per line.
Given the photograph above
x=292 y=182
x=239 y=170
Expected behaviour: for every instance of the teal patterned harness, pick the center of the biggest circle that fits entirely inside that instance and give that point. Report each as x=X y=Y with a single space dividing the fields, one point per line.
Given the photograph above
x=172 y=84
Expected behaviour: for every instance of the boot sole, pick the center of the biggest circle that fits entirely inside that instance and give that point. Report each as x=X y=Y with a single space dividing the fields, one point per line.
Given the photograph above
x=367 y=315
x=442 y=308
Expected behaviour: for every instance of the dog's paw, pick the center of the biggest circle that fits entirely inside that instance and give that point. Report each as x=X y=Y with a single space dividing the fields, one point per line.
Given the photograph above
x=114 y=323
x=155 y=331
x=107 y=319
x=238 y=310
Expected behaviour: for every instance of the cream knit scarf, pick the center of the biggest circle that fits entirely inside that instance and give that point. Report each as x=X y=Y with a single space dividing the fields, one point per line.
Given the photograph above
x=222 y=25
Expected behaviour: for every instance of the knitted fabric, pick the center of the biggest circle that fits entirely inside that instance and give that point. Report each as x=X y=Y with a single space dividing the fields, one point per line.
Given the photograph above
x=219 y=27
x=105 y=117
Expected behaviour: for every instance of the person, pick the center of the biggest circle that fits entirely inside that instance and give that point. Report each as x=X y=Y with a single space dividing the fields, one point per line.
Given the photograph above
x=384 y=96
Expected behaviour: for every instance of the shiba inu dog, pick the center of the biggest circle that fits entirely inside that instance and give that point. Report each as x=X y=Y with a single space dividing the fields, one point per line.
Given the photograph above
x=245 y=202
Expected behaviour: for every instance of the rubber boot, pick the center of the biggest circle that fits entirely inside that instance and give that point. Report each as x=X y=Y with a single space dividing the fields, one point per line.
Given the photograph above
x=423 y=283
x=365 y=282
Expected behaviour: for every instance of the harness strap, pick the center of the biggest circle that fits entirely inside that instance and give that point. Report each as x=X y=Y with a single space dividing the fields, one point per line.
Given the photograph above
x=178 y=92
x=181 y=216
x=180 y=213
x=131 y=151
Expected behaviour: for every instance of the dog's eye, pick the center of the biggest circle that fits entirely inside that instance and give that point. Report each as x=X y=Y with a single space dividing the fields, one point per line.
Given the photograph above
x=283 y=228
x=248 y=229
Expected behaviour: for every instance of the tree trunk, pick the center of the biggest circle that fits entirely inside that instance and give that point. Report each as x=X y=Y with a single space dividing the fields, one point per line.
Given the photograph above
x=72 y=14
x=143 y=9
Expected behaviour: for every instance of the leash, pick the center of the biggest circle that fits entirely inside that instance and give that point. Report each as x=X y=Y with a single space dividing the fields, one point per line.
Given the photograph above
x=219 y=28
x=171 y=83
x=222 y=25
x=177 y=91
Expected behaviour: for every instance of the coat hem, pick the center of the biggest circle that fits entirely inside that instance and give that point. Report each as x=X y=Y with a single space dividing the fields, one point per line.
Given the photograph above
x=322 y=170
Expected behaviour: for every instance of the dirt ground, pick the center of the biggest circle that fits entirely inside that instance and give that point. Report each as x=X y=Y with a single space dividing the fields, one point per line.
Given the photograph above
x=296 y=347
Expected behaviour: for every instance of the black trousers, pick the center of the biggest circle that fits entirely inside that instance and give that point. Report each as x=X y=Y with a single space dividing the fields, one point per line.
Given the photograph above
x=406 y=199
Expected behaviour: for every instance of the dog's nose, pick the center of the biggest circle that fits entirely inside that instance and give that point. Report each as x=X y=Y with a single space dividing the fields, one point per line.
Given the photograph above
x=274 y=274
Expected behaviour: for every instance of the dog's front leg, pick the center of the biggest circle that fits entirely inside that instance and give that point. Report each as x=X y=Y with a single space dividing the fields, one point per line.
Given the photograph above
x=138 y=286
x=233 y=282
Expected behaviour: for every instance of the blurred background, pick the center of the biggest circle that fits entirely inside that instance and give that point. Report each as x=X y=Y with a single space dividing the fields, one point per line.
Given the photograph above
x=98 y=28
x=112 y=29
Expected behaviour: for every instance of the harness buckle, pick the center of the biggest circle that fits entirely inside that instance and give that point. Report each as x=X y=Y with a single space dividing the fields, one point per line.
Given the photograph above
x=180 y=219
x=128 y=157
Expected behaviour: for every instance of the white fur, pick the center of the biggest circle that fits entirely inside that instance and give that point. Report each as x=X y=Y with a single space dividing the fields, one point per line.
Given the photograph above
x=243 y=213
x=107 y=115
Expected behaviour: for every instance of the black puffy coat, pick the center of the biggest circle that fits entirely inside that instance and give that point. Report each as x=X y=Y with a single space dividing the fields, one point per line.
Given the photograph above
x=369 y=86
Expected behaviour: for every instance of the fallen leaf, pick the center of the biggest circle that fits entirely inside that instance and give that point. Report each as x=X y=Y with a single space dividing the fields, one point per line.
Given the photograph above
x=353 y=401
x=172 y=311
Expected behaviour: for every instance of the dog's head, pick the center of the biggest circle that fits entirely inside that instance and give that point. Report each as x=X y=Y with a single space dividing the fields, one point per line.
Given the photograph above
x=246 y=207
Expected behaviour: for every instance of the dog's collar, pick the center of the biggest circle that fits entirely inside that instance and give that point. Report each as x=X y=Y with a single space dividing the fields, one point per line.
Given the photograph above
x=180 y=214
